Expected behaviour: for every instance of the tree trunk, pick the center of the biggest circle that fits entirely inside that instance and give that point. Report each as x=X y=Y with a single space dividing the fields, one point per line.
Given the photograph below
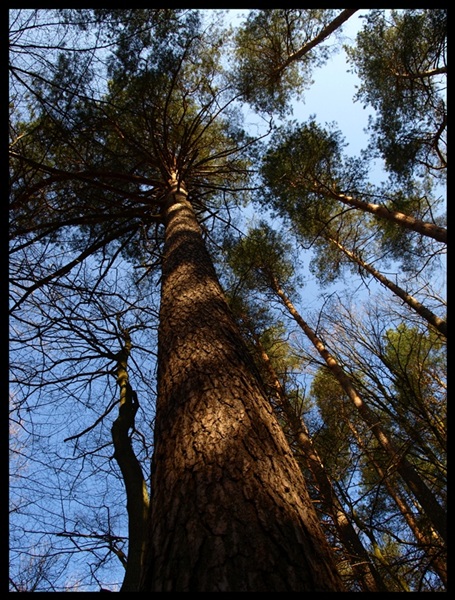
x=366 y=574
x=434 y=511
x=407 y=221
x=429 y=541
x=137 y=500
x=328 y=30
x=414 y=304
x=229 y=507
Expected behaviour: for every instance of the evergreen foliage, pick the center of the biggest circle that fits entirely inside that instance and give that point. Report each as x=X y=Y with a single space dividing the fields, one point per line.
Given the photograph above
x=136 y=186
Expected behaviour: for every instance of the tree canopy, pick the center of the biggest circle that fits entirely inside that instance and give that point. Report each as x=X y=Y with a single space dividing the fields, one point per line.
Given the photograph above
x=209 y=293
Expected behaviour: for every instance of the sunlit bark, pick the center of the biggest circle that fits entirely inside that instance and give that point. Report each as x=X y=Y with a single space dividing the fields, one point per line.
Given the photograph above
x=229 y=506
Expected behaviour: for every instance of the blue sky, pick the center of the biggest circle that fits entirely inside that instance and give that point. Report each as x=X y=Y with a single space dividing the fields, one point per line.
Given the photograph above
x=331 y=97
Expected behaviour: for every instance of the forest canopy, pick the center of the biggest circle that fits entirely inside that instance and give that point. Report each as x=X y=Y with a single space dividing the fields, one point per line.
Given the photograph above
x=228 y=330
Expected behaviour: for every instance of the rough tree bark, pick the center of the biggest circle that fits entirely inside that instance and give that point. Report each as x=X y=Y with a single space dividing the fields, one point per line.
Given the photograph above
x=229 y=507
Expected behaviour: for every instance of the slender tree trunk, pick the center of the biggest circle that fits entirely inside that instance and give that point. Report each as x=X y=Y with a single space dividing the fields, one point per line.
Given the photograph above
x=431 y=542
x=331 y=27
x=365 y=572
x=137 y=499
x=229 y=507
x=414 y=304
x=435 y=513
x=406 y=221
